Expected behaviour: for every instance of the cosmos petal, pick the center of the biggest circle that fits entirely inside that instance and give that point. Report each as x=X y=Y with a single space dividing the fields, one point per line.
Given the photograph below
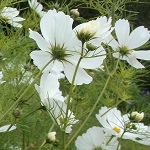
x=81 y=77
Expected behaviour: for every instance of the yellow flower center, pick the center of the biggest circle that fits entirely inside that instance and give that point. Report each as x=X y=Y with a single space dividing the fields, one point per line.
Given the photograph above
x=116 y=129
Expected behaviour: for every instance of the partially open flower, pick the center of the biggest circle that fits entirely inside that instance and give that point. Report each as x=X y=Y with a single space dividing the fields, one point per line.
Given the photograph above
x=51 y=136
x=37 y=7
x=10 y=14
x=137 y=116
x=87 y=30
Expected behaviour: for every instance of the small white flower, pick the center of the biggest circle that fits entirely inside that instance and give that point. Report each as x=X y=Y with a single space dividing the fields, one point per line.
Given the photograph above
x=9 y=14
x=137 y=116
x=49 y=88
x=113 y=120
x=95 y=31
x=127 y=42
x=6 y=128
x=37 y=7
x=120 y=124
x=87 y=30
x=51 y=136
x=95 y=138
x=52 y=99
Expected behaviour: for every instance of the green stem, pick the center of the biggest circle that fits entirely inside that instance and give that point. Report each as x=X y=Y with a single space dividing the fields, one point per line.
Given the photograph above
x=44 y=142
x=93 y=108
x=120 y=140
x=69 y=96
x=25 y=84
x=113 y=13
x=21 y=96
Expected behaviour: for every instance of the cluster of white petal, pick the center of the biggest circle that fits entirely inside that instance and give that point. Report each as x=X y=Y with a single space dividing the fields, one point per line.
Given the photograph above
x=96 y=137
x=56 y=28
x=52 y=99
x=130 y=41
x=37 y=7
x=10 y=15
x=121 y=125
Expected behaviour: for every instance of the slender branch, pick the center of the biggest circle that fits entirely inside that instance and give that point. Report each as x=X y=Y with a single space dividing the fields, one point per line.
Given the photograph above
x=21 y=96
x=69 y=96
x=44 y=142
x=94 y=106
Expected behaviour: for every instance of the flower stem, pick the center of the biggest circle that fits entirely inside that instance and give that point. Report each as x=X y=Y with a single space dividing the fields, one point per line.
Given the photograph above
x=69 y=96
x=44 y=142
x=21 y=96
x=120 y=140
x=93 y=108
x=113 y=13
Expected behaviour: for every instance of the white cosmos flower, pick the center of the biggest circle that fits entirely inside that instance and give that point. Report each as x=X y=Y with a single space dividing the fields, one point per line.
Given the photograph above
x=60 y=45
x=120 y=124
x=127 y=42
x=6 y=128
x=98 y=29
x=52 y=99
x=95 y=138
x=49 y=88
x=10 y=15
x=37 y=7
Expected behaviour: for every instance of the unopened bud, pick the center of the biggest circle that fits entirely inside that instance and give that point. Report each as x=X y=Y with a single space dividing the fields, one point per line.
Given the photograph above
x=27 y=66
x=137 y=116
x=75 y=12
x=16 y=113
x=91 y=47
x=51 y=137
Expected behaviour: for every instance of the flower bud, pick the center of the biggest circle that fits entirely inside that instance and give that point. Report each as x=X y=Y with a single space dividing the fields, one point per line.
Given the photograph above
x=75 y=12
x=51 y=137
x=137 y=116
x=27 y=67
x=16 y=113
x=86 y=31
x=91 y=47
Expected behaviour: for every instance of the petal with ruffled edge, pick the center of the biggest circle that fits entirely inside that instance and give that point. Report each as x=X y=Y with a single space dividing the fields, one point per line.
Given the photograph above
x=111 y=42
x=53 y=31
x=91 y=139
x=143 y=54
x=14 y=24
x=41 y=58
x=95 y=59
x=131 y=59
x=40 y=41
x=122 y=30
x=81 y=76
x=138 y=37
x=9 y=12
x=102 y=117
